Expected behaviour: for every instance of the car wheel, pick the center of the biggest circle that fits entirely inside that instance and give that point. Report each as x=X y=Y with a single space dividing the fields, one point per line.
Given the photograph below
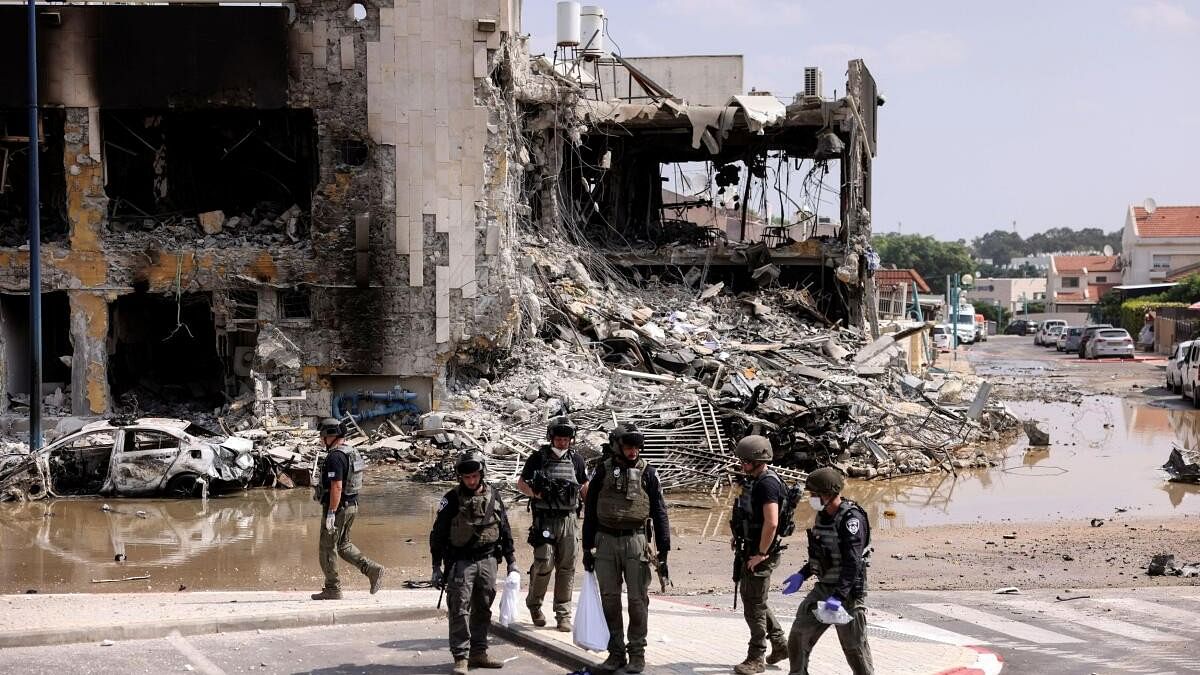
x=183 y=486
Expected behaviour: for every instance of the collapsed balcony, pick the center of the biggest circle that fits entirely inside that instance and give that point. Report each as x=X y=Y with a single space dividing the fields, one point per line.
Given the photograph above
x=223 y=177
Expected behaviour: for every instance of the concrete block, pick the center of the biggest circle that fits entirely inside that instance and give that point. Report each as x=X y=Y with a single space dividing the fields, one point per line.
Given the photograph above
x=442 y=331
x=94 y=142
x=212 y=221
x=374 y=68
x=347 y=56
x=320 y=43
x=442 y=143
x=480 y=60
x=403 y=223
x=454 y=220
x=493 y=40
x=387 y=16
x=470 y=289
x=492 y=247
x=443 y=214
x=416 y=269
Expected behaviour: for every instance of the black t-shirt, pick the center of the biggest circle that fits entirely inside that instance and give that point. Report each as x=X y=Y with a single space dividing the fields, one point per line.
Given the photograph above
x=766 y=490
x=337 y=465
x=536 y=462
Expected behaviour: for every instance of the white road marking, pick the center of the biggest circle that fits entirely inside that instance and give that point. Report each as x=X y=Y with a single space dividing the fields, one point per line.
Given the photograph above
x=193 y=655
x=925 y=631
x=1017 y=629
x=1079 y=616
x=1189 y=620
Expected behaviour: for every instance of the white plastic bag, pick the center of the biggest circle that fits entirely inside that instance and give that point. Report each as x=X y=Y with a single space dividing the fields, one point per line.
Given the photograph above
x=591 y=630
x=840 y=617
x=508 y=598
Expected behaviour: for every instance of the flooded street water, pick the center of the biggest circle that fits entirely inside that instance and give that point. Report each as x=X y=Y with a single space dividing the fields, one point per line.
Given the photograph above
x=1105 y=455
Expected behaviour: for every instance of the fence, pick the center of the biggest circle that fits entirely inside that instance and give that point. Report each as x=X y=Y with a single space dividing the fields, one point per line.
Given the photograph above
x=1173 y=325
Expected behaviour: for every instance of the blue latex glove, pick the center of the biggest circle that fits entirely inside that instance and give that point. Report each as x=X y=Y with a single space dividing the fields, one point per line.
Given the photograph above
x=833 y=604
x=793 y=583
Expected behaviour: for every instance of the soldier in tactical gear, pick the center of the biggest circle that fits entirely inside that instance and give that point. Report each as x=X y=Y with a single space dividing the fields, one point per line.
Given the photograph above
x=337 y=490
x=838 y=544
x=624 y=493
x=552 y=478
x=470 y=535
x=755 y=528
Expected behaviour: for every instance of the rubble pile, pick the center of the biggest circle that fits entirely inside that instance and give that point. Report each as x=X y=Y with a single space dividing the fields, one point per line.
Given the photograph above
x=696 y=367
x=1183 y=465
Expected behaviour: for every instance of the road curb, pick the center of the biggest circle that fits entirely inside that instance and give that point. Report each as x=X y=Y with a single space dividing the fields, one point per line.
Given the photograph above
x=551 y=650
x=157 y=629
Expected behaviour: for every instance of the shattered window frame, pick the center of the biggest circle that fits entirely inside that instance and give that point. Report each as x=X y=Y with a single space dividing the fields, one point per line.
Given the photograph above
x=295 y=304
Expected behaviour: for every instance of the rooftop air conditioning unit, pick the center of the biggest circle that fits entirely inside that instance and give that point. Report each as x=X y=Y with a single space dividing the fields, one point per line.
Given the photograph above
x=812 y=81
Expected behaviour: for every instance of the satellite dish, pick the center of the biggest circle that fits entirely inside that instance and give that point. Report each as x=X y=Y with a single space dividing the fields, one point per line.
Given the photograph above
x=1108 y=249
x=1150 y=205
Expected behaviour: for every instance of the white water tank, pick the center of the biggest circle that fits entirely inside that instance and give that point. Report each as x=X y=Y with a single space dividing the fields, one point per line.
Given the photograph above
x=591 y=30
x=568 y=24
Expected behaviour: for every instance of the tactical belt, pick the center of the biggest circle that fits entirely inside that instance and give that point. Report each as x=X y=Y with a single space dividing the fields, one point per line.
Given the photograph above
x=473 y=555
x=618 y=532
x=554 y=513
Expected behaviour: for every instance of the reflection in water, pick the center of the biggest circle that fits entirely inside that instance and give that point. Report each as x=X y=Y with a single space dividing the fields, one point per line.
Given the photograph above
x=1105 y=454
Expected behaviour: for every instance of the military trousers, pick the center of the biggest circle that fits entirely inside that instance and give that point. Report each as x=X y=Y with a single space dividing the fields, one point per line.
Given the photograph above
x=765 y=629
x=806 y=630
x=470 y=590
x=624 y=559
x=336 y=543
x=554 y=558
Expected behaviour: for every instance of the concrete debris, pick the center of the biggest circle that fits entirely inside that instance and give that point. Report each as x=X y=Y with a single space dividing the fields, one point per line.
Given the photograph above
x=1035 y=434
x=1164 y=564
x=1183 y=465
x=698 y=370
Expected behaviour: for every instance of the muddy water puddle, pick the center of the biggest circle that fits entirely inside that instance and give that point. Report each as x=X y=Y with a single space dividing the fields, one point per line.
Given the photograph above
x=1105 y=455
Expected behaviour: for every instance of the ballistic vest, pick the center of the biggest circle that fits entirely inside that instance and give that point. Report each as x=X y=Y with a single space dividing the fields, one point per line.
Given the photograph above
x=476 y=524
x=824 y=553
x=753 y=518
x=351 y=482
x=559 y=469
x=623 y=503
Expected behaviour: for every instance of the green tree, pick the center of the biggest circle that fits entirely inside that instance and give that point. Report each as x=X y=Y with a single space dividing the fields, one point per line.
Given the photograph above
x=932 y=258
x=1000 y=246
x=1187 y=290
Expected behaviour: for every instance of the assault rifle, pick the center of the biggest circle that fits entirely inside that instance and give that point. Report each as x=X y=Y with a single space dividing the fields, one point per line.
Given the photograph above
x=552 y=490
x=740 y=525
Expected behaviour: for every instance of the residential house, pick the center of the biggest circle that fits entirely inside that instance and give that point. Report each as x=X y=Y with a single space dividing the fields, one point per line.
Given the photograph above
x=1011 y=294
x=893 y=288
x=1076 y=282
x=1156 y=242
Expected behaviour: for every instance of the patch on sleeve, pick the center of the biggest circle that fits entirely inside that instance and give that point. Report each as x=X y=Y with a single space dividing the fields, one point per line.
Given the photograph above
x=442 y=504
x=852 y=525
x=332 y=474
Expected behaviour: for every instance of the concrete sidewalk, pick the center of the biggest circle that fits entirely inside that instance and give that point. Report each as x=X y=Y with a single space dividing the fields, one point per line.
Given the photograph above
x=690 y=635
x=34 y=620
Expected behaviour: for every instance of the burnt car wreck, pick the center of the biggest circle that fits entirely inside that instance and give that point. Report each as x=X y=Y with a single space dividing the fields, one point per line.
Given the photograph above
x=148 y=456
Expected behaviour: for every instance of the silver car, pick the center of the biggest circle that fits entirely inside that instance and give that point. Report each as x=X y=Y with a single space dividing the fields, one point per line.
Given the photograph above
x=1110 y=342
x=148 y=456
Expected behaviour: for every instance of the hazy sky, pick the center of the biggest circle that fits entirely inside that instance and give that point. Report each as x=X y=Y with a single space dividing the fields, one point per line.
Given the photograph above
x=1047 y=113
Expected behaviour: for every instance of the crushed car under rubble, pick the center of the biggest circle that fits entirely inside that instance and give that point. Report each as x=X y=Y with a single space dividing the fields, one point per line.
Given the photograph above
x=148 y=456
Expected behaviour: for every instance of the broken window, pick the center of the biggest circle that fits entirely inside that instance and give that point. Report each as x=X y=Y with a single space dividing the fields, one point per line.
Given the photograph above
x=14 y=177
x=233 y=175
x=80 y=467
x=352 y=152
x=243 y=305
x=56 y=348
x=149 y=439
x=293 y=304
x=164 y=351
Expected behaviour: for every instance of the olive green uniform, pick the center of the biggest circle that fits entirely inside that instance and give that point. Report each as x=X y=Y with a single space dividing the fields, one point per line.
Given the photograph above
x=620 y=500
x=765 y=629
x=836 y=559
x=336 y=542
x=554 y=555
x=470 y=535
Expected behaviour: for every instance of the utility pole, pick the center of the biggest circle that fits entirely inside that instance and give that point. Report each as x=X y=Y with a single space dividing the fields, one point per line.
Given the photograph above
x=35 y=246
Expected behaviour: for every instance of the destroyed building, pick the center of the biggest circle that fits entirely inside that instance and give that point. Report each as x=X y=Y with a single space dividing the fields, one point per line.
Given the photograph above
x=292 y=209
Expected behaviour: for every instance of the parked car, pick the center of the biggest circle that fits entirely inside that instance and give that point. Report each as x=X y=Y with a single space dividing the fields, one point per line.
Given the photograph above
x=1189 y=369
x=1018 y=327
x=981 y=328
x=1088 y=332
x=1039 y=338
x=1110 y=342
x=941 y=337
x=147 y=456
x=1050 y=335
x=1174 y=363
x=1068 y=342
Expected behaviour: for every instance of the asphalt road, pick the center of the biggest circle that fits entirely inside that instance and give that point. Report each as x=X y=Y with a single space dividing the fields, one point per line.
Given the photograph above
x=396 y=648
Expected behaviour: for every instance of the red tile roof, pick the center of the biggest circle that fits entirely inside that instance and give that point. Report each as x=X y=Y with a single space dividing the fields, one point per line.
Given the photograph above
x=1167 y=221
x=1095 y=292
x=1092 y=263
x=897 y=277
x=1181 y=273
